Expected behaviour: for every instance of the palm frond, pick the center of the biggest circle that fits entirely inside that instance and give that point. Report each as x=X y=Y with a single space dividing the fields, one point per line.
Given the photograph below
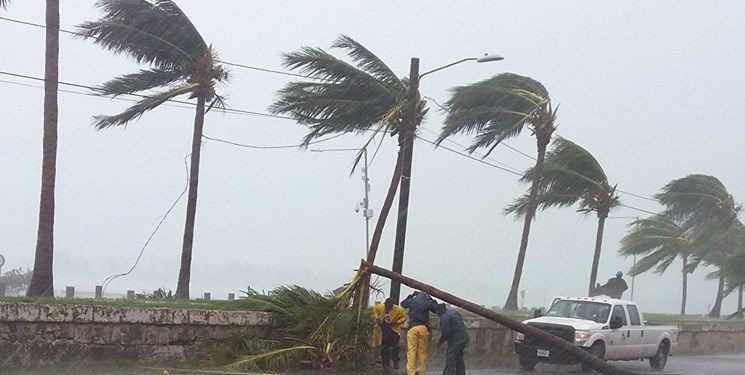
x=367 y=61
x=140 y=81
x=142 y=106
x=4 y=4
x=570 y=175
x=495 y=109
x=156 y=32
x=697 y=198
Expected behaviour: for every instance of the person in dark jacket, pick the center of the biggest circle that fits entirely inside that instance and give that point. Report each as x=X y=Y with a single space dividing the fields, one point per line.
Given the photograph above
x=417 y=337
x=454 y=332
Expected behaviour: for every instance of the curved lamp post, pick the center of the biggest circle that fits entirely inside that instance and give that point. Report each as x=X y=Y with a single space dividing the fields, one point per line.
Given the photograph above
x=407 y=151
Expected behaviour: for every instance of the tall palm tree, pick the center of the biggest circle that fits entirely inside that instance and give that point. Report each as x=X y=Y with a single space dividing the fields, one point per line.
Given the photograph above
x=343 y=97
x=572 y=175
x=703 y=204
x=497 y=109
x=182 y=63
x=42 y=279
x=660 y=241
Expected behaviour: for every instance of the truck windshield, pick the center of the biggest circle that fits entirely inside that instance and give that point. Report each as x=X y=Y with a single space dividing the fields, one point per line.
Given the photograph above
x=587 y=310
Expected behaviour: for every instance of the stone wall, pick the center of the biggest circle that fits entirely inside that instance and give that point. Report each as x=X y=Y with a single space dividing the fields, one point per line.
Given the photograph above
x=41 y=334
x=699 y=338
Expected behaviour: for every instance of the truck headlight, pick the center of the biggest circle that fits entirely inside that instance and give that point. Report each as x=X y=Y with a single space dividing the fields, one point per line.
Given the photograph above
x=582 y=336
x=520 y=336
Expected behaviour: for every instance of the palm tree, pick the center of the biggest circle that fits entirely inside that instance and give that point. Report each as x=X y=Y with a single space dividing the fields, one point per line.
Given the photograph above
x=660 y=241
x=497 y=109
x=182 y=63
x=42 y=279
x=572 y=175
x=703 y=204
x=342 y=97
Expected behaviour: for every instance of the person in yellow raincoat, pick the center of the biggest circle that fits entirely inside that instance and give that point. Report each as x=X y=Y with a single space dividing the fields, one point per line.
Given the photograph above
x=387 y=332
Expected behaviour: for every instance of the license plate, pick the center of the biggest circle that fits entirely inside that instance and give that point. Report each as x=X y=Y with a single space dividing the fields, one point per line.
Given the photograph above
x=542 y=353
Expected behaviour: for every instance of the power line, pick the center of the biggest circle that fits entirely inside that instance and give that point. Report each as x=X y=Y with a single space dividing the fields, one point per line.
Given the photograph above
x=226 y=110
x=501 y=143
x=481 y=155
x=271 y=147
x=222 y=61
x=470 y=157
x=638 y=209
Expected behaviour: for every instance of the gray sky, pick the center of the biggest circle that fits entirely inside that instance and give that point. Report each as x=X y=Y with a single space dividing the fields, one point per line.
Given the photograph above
x=648 y=88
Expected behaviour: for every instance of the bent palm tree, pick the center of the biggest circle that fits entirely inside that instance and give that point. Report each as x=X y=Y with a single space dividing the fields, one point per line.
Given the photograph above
x=42 y=279
x=570 y=175
x=161 y=35
x=497 y=109
x=348 y=98
x=660 y=241
x=703 y=204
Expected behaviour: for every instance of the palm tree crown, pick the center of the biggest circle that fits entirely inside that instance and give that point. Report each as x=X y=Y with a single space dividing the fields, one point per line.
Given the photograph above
x=161 y=35
x=570 y=175
x=340 y=97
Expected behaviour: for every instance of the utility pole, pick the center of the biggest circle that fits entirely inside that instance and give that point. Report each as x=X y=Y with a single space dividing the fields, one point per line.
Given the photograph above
x=367 y=213
x=406 y=138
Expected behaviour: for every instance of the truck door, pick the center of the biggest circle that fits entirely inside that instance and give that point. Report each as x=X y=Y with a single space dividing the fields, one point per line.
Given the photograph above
x=635 y=333
x=617 y=346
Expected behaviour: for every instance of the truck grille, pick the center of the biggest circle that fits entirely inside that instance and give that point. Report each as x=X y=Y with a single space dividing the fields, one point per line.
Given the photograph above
x=563 y=331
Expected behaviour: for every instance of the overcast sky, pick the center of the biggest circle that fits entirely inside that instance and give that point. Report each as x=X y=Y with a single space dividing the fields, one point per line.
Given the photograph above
x=652 y=89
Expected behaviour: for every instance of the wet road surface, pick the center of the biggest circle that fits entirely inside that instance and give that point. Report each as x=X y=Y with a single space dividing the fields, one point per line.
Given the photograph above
x=726 y=364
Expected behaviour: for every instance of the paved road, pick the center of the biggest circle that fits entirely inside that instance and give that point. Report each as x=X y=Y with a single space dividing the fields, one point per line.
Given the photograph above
x=731 y=364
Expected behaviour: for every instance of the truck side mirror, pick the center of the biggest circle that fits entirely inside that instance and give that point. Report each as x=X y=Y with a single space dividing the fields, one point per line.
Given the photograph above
x=537 y=313
x=615 y=322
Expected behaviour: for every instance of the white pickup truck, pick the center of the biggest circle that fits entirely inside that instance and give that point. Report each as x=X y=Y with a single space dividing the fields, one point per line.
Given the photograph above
x=610 y=329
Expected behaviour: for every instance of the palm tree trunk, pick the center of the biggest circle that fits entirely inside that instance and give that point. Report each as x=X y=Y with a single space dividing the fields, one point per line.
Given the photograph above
x=511 y=303
x=716 y=311
x=407 y=151
x=597 y=364
x=184 y=276
x=602 y=215
x=384 y=211
x=739 y=303
x=380 y=224
x=685 y=287
x=42 y=279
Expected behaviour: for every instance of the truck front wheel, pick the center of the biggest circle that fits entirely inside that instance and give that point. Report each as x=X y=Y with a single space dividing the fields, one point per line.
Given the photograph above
x=659 y=360
x=527 y=363
x=596 y=350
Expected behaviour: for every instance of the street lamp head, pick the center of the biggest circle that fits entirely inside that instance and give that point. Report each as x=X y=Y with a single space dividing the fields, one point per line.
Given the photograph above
x=488 y=58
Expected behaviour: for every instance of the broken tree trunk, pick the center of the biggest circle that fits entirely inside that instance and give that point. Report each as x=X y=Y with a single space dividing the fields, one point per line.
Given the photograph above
x=590 y=360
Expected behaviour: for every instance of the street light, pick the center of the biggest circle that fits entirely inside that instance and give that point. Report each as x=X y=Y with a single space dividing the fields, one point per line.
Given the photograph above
x=367 y=213
x=407 y=145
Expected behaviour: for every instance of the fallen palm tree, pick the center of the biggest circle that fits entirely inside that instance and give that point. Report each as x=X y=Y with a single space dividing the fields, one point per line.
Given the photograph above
x=587 y=359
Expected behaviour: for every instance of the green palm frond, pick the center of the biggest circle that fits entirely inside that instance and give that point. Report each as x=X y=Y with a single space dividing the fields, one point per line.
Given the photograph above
x=140 y=81
x=660 y=241
x=342 y=98
x=367 y=61
x=157 y=33
x=698 y=198
x=494 y=109
x=142 y=106
x=570 y=175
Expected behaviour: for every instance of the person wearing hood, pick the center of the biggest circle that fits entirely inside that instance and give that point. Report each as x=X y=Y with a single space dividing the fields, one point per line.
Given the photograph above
x=387 y=331
x=453 y=330
x=417 y=337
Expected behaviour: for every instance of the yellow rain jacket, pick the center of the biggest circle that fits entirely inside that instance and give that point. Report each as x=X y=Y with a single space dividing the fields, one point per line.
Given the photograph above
x=397 y=316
